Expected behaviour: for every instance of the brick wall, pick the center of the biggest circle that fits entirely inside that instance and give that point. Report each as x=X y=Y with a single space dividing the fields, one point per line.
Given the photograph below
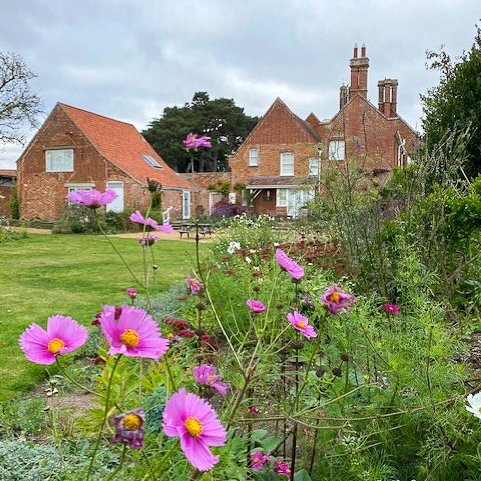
x=42 y=194
x=4 y=200
x=362 y=122
x=206 y=181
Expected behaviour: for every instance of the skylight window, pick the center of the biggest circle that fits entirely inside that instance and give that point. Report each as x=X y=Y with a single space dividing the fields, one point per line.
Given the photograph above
x=150 y=160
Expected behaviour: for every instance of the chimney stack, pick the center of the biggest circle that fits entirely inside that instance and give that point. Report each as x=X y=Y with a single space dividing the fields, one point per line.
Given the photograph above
x=388 y=96
x=343 y=97
x=359 y=68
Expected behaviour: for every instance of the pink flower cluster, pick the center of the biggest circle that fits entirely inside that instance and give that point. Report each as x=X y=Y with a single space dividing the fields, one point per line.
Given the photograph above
x=132 y=333
x=289 y=265
x=192 y=141
x=258 y=459
x=139 y=218
x=301 y=323
x=391 y=308
x=256 y=307
x=63 y=335
x=194 y=284
x=194 y=420
x=335 y=300
x=207 y=375
x=92 y=198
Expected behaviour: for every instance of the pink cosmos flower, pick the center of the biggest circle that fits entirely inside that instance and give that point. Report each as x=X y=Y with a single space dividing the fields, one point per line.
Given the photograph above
x=281 y=467
x=195 y=422
x=258 y=460
x=194 y=142
x=392 y=308
x=301 y=323
x=139 y=218
x=130 y=427
x=206 y=374
x=335 y=300
x=255 y=306
x=195 y=285
x=147 y=241
x=133 y=333
x=92 y=198
x=288 y=264
x=63 y=335
x=131 y=292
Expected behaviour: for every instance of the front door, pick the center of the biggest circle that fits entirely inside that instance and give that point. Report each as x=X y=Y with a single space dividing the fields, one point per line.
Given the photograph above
x=118 y=204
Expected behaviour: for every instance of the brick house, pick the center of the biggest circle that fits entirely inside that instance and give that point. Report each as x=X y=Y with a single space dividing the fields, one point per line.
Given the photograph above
x=283 y=150
x=75 y=149
x=7 y=181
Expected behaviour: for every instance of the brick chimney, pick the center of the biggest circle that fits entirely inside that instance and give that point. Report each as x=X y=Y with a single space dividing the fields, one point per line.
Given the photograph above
x=359 y=68
x=343 y=97
x=388 y=96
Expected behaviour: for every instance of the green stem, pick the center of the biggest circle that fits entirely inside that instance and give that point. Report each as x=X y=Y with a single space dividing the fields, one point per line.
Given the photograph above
x=119 y=467
x=106 y=411
x=117 y=252
x=73 y=381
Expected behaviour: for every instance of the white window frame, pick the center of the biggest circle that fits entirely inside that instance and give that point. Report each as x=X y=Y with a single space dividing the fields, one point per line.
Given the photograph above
x=53 y=162
x=253 y=157
x=314 y=164
x=282 y=197
x=287 y=164
x=337 y=150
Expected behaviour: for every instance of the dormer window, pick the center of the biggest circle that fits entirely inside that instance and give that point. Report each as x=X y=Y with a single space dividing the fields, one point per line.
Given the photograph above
x=151 y=161
x=287 y=163
x=253 y=154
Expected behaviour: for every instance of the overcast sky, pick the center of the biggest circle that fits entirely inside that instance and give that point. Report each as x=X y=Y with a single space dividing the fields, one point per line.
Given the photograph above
x=128 y=59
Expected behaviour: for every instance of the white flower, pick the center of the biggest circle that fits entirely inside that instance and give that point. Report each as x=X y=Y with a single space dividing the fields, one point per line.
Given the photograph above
x=248 y=260
x=256 y=268
x=233 y=246
x=475 y=404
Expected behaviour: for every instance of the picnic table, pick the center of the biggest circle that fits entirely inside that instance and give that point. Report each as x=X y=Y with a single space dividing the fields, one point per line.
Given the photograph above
x=188 y=228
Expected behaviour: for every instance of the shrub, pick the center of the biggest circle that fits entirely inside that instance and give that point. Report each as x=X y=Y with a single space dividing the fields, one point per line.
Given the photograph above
x=224 y=208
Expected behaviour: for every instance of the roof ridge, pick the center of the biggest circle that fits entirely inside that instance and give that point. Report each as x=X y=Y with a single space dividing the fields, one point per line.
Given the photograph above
x=96 y=115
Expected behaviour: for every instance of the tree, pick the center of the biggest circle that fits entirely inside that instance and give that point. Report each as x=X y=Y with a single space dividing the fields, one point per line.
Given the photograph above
x=19 y=105
x=455 y=104
x=220 y=119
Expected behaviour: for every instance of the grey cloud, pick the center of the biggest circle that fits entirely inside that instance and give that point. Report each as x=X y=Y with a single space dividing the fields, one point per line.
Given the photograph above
x=129 y=59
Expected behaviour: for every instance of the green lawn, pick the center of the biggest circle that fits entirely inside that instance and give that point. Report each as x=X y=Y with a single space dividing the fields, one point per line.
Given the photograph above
x=44 y=275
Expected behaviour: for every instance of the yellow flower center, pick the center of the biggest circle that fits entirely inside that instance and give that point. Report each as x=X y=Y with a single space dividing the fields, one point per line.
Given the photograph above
x=193 y=426
x=170 y=335
x=132 y=422
x=334 y=297
x=301 y=324
x=479 y=409
x=256 y=459
x=211 y=378
x=55 y=345
x=129 y=338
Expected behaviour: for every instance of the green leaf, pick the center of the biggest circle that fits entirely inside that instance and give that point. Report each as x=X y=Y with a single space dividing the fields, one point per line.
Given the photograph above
x=302 y=475
x=270 y=443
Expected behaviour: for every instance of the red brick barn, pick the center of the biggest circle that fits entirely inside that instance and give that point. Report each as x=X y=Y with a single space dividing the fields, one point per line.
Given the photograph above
x=7 y=183
x=75 y=149
x=283 y=150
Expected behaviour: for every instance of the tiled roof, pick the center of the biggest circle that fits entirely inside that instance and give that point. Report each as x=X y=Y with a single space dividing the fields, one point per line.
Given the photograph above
x=123 y=146
x=8 y=172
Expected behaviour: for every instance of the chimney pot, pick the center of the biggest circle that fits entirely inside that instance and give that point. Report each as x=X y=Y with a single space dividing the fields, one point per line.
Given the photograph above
x=363 y=51
x=355 y=50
